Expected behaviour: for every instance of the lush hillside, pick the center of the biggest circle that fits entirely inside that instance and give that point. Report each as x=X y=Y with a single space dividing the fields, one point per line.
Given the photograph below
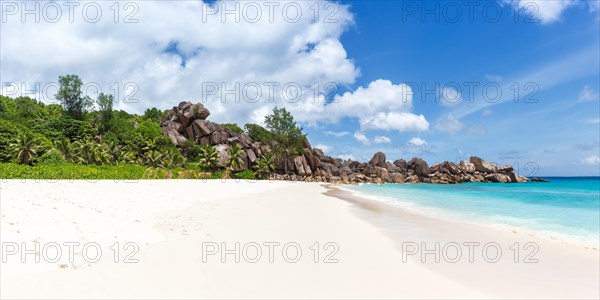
x=88 y=136
x=84 y=138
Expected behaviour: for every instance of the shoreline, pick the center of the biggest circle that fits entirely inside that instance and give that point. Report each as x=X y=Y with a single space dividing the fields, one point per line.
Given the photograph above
x=171 y=222
x=397 y=222
x=343 y=193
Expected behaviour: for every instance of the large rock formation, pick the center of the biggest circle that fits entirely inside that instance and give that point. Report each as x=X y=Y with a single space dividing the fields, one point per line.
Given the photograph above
x=467 y=166
x=419 y=166
x=378 y=160
x=483 y=166
x=188 y=121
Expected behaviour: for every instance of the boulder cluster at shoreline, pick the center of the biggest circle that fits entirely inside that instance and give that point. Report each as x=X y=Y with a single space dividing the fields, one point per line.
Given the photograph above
x=188 y=121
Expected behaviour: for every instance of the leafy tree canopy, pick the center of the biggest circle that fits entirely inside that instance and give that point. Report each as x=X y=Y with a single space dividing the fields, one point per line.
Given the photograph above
x=70 y=95
x=287 y=135
x=105 y=107
x=233 y=127
x=154 y=114
x=258 y=133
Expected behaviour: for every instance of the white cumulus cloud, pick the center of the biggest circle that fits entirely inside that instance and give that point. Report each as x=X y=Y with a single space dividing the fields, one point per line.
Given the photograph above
x=449 y=124
x=592 y=160
x=176 y=51
x=326 y=149
x=336 y=133
x=416 y=146
x=400 y=121
x=418 y=142
x=380 y=139
x=546 y=11
x=382 y=105
x=361 y=138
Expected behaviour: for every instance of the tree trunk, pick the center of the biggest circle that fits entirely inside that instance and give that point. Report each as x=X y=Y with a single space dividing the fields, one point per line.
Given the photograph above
x=226 y=174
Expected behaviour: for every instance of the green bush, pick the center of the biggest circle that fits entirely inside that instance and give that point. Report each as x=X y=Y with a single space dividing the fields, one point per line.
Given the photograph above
x=71 y=171
x=155 y=173
x=9 y=131
x=186 y=174
x=217 y=174
x=52 y=157
x=149 y=130
x=258 y=133
x=50 y=167
x=9 y=106
x=43 y=143
x=246 y=174
x=233 y=127
x=191 y=151
x=121 y=129
x=154 y=114
x=76 y=129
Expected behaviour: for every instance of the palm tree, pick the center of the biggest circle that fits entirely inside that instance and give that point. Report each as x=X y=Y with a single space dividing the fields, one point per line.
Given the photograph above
x=265 y=165
x=149 y=145
x=173 y=160
x=114 y=152
x=234 y=161
x=126 y=157
x=103 y=156
x=152 y=173
x=25 y=148
x=209 y=157
x=64 y=147
x=154 y=159
x=86 y=152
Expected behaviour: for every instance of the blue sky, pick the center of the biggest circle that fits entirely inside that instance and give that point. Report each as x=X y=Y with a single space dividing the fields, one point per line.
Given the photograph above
x=558 y=133
x=381 y=56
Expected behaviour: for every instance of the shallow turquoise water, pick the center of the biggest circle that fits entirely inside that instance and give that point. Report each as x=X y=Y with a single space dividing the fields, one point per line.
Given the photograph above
x=566 y=207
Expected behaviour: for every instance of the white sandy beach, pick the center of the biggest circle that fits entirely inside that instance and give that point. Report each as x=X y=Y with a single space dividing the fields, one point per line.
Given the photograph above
x=175 y=222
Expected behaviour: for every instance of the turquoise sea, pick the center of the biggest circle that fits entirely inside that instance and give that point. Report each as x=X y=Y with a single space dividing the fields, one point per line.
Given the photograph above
x=566 y=207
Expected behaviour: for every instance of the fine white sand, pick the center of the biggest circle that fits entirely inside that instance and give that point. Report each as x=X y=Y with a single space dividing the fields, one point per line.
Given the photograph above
x=169 y=225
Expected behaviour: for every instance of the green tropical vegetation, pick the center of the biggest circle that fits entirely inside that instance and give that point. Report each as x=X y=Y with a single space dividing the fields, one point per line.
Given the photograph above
x=25 y=148
x=83 y=138
x=259 y=133
x=209 y=157
x=233 y=127
x=265 y=165
x=286 y=134
x=234 y=160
